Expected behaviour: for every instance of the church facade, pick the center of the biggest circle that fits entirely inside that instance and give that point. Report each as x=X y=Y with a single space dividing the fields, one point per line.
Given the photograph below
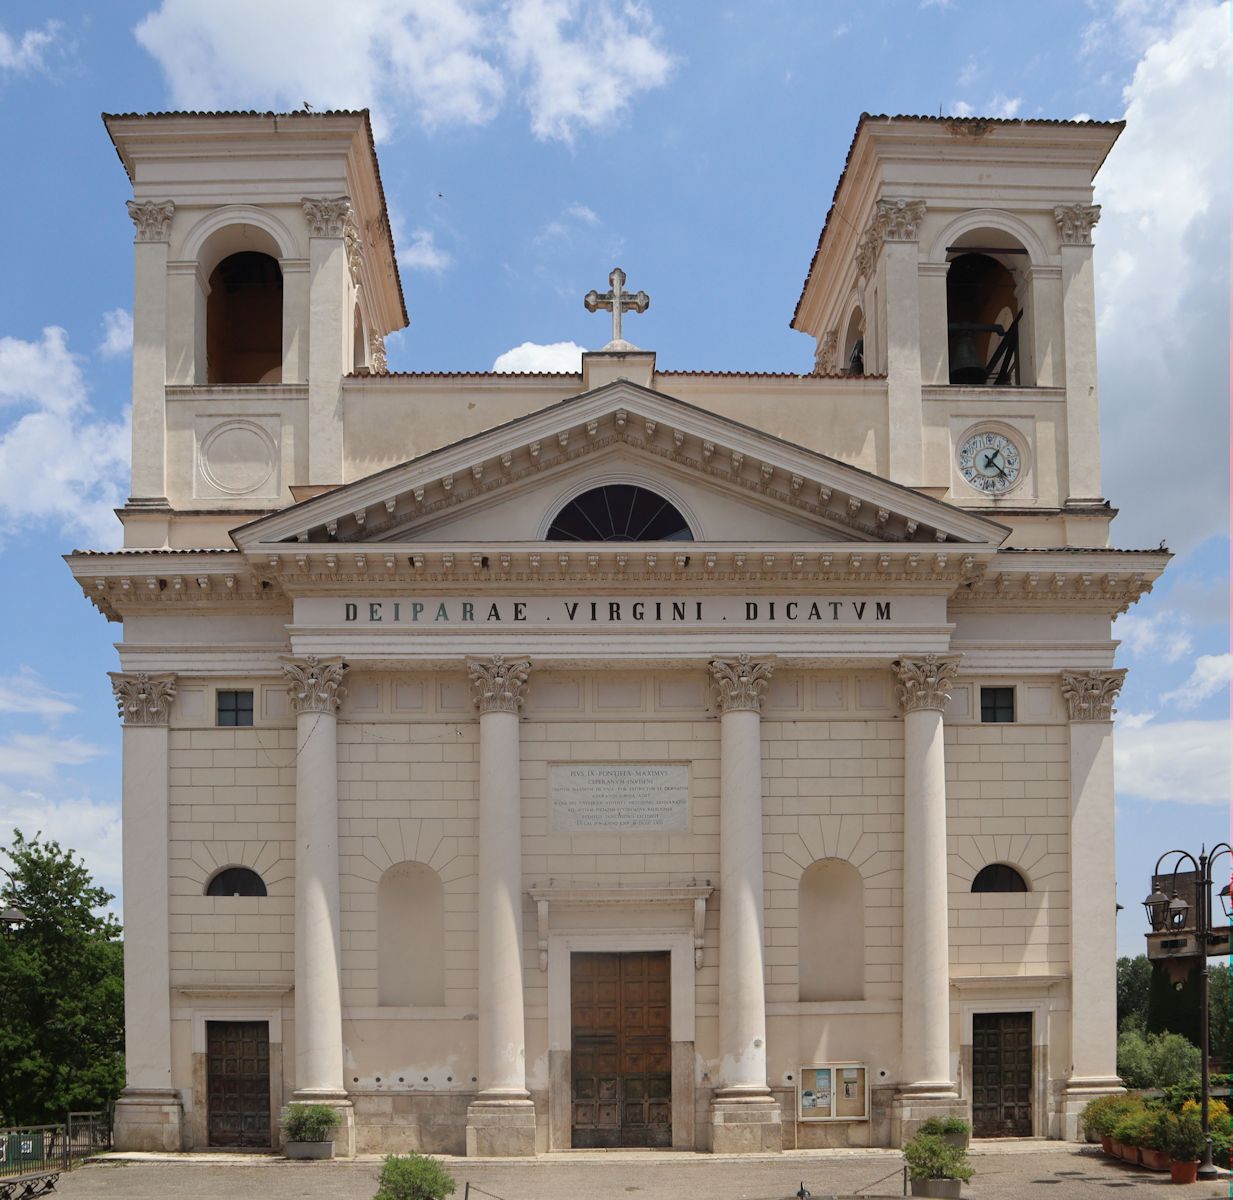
x=631 y=757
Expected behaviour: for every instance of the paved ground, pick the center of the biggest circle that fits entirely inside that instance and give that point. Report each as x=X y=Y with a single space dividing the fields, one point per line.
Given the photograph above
x=1014 y=1172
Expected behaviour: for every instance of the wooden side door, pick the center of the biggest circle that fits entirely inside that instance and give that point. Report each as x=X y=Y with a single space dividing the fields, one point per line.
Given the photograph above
x=1002 y=1074
x=238 y=1083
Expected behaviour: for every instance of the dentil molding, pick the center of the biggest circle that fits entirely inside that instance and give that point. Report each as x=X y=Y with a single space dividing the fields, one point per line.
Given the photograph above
x=152 y=218
x=313 y=684
x=143 y=699
x=1090 y=695
x=327 y=217
x=739 y=686
x=1075 y=222
x=924 y=683
x=499 y=686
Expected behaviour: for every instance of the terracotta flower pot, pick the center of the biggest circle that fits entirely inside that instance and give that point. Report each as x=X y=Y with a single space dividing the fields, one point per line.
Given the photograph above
x=1106 y=1144
x=1184 y=1172
x=1130 y=1154
x=1154 y=1160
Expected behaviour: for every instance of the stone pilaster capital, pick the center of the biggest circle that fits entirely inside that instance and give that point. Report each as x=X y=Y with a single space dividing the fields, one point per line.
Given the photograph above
x=1075 y=222
x=152 y=218
x=377 y=361
x=1090 y=695
x=898 y=220
x=498 y=686
x=826 y=357
x=739 y=685
x=143 y=699
x=924 y=683
x=328 y=217
x=314 y=684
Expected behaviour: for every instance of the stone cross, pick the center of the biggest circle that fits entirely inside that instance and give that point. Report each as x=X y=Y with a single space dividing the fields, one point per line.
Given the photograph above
x=618 y=301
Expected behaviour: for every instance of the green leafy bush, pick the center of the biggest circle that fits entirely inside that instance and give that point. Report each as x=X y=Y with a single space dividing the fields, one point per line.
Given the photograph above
x=941 y=1125
x=1155 y=1060
x=1132 y=1127
x=310 y=1122
x=1184 y=1135
x=1099 y=1116
x=929 y=1157
x=413 y=1177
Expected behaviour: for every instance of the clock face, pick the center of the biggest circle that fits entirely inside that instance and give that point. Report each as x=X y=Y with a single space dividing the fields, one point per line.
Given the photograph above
x=990 y=462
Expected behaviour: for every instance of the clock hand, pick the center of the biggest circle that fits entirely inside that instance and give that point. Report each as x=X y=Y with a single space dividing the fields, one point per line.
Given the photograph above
x=989 y=460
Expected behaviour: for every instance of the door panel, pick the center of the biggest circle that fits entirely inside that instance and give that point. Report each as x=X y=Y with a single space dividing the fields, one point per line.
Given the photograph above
x=1002 y=1074
x=622 y=1049
x=238 y=1083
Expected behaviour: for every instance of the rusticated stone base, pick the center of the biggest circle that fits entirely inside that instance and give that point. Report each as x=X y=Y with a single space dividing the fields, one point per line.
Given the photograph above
x=745 y=1125
x=148 y=1119
x=344 y=1135
x=501 y=1129
x=1078 y=1092
x=910 y=1110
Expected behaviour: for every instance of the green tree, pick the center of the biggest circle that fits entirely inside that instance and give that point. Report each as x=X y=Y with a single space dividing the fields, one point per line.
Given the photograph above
x=61 y=989
x=1134 y=982
x=1220 y=1035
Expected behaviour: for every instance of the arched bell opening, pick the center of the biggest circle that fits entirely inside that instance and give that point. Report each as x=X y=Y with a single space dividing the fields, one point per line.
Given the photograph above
x=359 y=343
x=853 y=360
x=984 y=317
x=244 y=320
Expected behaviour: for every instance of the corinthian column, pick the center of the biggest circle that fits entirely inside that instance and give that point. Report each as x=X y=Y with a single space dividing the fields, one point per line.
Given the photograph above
x=744 y=1115
x=149 y=1115
x=315 y=688
x=922 y=690
x=1093 y=900
x=501 y=1119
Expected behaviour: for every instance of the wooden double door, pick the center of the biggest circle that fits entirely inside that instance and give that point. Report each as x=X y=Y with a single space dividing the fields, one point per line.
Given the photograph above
x=1002 y=1074
x=621 y=1059
x=238 y=1083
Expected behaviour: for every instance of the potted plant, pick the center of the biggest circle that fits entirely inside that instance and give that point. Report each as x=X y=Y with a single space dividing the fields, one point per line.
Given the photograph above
x=1154 y=1144
x=1099 y=1116
x=1185 y=1145
x=308 y=1130
x=935 y=1167
x=1129 y=1133
x=413 y=1177
x=954 y=1131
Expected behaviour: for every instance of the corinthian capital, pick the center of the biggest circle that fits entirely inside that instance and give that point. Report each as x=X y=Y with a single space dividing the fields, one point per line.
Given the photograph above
x=377 y=360
x=1090 y=694
x=327 y=218
x=740 y=685
x=826 y=357
x=924 y=682
x=314 y=685
x=899 y=220
x=152 y=218
x=1075 y=221
x=143 y=699
x=499 y=686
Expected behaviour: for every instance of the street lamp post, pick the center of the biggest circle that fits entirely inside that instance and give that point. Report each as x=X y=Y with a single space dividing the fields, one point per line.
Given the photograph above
x=1171 y=912
x=11 y=916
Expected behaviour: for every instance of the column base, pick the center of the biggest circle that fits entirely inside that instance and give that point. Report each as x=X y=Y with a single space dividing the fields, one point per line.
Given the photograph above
x=746 y=1123
x=916 y=1103
x=344 y=1135
x=501 y=1127
x=1079 y=1090
x=148 y=1119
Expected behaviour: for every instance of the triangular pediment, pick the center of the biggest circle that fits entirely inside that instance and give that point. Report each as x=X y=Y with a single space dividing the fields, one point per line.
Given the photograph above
x=738 y=484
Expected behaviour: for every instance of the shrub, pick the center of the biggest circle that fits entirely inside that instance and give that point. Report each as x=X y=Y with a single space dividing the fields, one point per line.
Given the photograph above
x=1185 y=1136
x=413 y=1177
x=941 y=1125
x=1102 y=1114
x=1132 y=1127
x=929 y=1157
x=310 y=1122
x=1155 y=1060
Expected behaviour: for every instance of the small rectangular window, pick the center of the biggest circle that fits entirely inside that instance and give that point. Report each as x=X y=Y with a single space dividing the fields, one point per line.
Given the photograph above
x=235 y=708
x=997 y=704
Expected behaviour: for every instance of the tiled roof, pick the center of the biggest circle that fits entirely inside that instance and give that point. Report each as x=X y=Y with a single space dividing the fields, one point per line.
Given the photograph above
x=138 y=551
x=468 y=375
x=866 y=117
x=298 y=116
x=770 y=375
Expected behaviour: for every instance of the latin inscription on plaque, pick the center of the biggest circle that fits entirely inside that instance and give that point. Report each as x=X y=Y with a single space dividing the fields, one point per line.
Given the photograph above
x=619 y=797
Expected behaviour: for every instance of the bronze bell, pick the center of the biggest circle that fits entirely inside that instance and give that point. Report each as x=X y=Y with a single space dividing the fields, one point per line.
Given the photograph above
x=966 y=364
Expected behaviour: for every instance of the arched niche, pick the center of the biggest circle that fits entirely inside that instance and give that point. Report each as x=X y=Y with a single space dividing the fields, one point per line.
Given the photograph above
x=831 y=931
x=410 y=936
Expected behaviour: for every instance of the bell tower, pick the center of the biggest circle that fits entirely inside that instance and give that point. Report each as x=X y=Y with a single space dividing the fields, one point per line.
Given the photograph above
x=264 y=271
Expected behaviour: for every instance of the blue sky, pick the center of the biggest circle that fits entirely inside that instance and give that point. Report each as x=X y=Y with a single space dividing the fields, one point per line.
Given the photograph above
x=529 y=146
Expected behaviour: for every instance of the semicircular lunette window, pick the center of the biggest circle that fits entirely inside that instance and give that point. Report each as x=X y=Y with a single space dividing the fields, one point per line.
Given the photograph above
x=619 y=512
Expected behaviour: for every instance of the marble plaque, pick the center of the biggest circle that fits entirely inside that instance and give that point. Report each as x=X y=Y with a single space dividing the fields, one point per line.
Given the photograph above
x=620 y=797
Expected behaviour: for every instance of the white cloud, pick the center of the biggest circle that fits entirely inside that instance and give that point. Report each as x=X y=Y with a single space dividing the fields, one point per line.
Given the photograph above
x=37 y=755
x=1182 y=761
x=574 y=219
x=1212 y=673
x=1162 y=262
x=961 y=108
x=26 y=695
x=26 y=53
x=1081 y=116
x=1162 y=635
x=117 y=333
x=972 y=71
x=1004 y=106
x=583 y=65
x=841 y=30
x=439 y=62
x=59 y=462
x=533 y=356
x=423 y=254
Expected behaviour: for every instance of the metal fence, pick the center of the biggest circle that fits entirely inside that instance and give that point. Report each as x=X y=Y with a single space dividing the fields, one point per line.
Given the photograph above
x=32 y=1156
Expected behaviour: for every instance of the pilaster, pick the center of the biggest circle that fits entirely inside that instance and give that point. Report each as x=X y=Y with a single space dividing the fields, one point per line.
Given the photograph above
x=745 y=1117
x=149 y=1114
x=501 y=1119
x=1089 y=697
